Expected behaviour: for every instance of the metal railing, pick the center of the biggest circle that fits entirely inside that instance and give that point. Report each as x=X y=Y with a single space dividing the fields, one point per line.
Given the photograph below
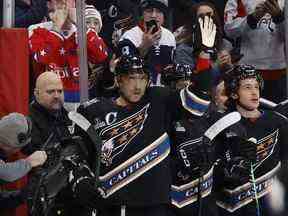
x=8 y=13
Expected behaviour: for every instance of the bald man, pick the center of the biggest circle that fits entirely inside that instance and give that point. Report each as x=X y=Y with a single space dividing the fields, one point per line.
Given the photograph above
x=51 y=132
x=49 y=117
x=49 y=91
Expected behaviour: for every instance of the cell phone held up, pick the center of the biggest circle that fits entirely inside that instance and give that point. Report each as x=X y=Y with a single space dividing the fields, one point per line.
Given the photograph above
x=150 y=24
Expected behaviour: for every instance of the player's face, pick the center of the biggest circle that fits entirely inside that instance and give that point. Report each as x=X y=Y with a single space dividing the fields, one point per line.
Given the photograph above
x=93 y=23
x=133 y=86
x=51 y=95
x=249 y=94
x=153 y=14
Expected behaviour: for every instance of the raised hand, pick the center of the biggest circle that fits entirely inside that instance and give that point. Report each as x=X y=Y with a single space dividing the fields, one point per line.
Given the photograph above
x=273 y=8
x=208 y=31
x=259 y=11
x=149 y=39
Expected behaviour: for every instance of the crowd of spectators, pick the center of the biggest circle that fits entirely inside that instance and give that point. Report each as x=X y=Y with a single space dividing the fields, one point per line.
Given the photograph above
x=240 y=32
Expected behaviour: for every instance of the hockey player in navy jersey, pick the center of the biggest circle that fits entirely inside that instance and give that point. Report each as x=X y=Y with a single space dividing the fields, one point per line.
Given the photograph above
x=249 y=175
x=135 y=164
x=134 y=128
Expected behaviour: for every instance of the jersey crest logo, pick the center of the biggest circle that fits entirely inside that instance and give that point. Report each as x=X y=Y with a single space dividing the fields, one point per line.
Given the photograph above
x=265 y=147
x=118 y=135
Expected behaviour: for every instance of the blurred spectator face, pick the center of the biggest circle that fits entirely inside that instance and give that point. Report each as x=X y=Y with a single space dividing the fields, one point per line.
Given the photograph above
x=93 y=23
x=224 y=58
x=220 y=96
x=52 y=5
x=205 y=10
x=28 y=2
x=248 y=94
x=49 y=91
x=132 y=86
x=153 y=14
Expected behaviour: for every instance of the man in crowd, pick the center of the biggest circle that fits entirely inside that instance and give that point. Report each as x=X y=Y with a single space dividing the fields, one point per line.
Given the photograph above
x=150 y=39
x=53 y=46
x=251 y=20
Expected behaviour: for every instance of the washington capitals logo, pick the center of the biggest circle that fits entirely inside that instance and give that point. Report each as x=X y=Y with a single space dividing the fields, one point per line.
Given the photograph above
x=117 y=136
x=265 y=147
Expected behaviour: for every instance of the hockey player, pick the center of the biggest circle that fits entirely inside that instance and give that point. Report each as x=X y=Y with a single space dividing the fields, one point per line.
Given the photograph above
x=149 y=38
x=135 y=152
x=192 y=159
x=248 y=175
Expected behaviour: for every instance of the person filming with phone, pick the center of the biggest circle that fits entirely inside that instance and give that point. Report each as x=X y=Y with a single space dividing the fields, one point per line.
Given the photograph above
x=150 y=39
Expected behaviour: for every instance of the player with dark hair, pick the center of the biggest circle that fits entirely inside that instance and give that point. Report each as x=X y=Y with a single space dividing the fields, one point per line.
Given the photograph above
x=135 y=159
x=251 y=166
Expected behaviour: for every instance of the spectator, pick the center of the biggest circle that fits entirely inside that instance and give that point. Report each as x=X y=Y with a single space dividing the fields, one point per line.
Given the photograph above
x=114 y=13
x=252 y=20
x=29 y=12
x=15 y=133
x=53 y=47
x=190 y=50
x=155 y=44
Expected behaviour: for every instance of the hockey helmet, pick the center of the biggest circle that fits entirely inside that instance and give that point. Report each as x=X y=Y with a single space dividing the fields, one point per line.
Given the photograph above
x=175 y=72
x=240 y=72
x=130 y=64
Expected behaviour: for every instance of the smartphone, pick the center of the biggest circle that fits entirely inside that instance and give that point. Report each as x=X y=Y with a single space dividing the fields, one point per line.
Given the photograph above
x=150 y=24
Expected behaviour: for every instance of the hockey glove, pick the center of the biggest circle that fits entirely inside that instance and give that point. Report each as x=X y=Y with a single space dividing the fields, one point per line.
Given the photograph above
x=196 y=156
x=83 y=183
x=236 y=172
x=241 y=147
x=208 y=33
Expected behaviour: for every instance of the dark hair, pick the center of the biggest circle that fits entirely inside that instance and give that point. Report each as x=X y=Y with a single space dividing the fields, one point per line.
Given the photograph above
x=233 y=77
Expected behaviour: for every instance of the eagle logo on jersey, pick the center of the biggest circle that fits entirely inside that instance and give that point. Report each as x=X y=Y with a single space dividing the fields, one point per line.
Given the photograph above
x=265 y=147
x=118 y=135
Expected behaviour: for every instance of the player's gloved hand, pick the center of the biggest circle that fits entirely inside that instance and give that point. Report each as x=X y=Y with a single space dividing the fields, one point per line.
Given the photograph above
x=208 y=31
x=236 y=171
x=243 y=148
x=196 y=156
x=83 y=183
x=87 y=193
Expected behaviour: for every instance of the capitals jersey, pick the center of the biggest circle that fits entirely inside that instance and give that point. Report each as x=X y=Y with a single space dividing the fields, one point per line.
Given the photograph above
x=57 y=52
x=186 y=189
x=135 y=161
x=158 y=56
x=269 y=132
